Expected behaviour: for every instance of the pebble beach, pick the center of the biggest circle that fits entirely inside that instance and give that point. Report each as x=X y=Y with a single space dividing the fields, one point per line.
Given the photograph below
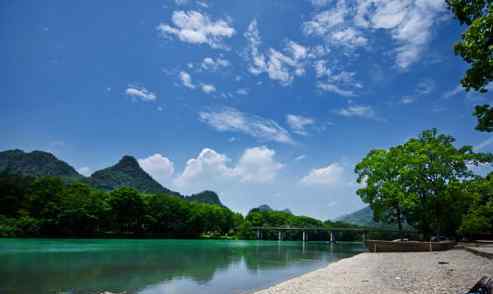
x=454 y=271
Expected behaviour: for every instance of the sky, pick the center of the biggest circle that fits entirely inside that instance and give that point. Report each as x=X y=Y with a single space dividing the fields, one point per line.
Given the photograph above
x=264 y=102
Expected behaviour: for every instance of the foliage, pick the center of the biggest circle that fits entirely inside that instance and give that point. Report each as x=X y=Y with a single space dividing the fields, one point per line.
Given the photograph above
x=479 y=217
x=476 y=48
x=50 y=206
x=422 y=180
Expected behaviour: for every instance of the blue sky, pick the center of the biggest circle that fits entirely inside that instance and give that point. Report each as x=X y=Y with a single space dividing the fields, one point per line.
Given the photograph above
x=262 y=101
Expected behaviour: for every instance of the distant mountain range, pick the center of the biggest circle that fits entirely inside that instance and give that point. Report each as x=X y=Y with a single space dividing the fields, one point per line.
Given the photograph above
x=126 y=173
x=266 y=207
x=364 y=217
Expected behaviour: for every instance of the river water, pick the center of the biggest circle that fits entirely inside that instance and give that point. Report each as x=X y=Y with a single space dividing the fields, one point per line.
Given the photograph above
x=158 y=266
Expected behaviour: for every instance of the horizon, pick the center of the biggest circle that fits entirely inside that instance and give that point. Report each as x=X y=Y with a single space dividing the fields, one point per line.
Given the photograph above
x=264 y=103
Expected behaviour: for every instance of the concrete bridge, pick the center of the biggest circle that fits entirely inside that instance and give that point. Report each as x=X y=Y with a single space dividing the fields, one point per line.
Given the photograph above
x=305 y=231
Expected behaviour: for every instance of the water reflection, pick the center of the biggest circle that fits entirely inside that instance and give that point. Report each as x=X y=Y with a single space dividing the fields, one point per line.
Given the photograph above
x=156 y=266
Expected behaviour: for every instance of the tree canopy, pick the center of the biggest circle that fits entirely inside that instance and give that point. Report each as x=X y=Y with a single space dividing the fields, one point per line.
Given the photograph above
x=421 y=182
x=476 y=48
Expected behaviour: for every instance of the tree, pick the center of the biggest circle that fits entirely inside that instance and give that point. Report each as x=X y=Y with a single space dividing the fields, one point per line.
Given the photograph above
x=476 y=48
x=479 y=217
x=128 y=209
x=416 y=180
x=384 y=191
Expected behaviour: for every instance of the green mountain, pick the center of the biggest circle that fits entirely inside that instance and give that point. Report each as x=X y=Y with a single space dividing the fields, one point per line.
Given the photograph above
x=126 y=173
x=209 y=197
x=36 y=164
x=362 y=217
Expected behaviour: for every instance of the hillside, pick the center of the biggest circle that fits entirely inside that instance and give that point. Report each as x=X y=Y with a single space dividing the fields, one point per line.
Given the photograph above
x=126 y=173
x=361 y=217
x=209 y=197
x=36 y=164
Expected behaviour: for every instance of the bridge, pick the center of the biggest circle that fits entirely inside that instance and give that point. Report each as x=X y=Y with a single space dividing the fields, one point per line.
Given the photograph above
x=305 y=231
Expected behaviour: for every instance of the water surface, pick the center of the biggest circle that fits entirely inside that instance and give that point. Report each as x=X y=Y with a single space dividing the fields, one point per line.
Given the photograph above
x=157 y=266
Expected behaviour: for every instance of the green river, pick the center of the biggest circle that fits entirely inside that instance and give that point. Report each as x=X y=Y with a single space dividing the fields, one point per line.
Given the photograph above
x=158 y=266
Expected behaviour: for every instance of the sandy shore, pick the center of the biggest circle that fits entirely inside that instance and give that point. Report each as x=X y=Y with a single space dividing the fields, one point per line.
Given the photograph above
x=454 y=271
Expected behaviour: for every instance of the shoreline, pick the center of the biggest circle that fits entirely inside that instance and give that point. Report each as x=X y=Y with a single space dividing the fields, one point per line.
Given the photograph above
x=453 y=271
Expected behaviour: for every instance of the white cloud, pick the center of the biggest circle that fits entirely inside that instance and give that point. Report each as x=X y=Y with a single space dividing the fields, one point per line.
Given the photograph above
x=322 y=23
x=454 y=92
x=362 y=111
x=342 y=83
x=483 y=144
x=85 y=171
x=242 y=91
x=410 y=23
x=230 y=119
x=158 y=166
x=328 y=176
x=257 y=165
x=279 y=66
x=300 y=157
x=408 y=99
x=208 y=88
x=298 y=123
x=141 y=93
x=425 y=87
x=186 y=79
x=212 y=64
x=197 y=28
x=349 y=37
x=208 y=165
x=330 y=87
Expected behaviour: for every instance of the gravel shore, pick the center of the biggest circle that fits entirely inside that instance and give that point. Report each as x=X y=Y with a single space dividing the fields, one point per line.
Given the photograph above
x=454 y=271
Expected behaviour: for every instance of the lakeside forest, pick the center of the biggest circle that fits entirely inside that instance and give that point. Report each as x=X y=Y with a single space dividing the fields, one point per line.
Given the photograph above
x=426 y=186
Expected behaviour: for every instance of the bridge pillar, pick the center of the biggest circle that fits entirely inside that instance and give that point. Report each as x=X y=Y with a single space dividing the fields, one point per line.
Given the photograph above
x=258 y=234
x=364 y=237
x=332 y=237
x=280 y=235
x=304 y=236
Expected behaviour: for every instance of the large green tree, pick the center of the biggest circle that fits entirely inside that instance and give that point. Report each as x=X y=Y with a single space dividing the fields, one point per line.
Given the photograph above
x=476 y=48
x=419 y=180
x=380 y=172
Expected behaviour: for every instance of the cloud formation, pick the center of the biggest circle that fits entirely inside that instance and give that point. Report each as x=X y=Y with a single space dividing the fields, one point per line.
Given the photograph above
x=141 y=93
x=256 y=165
x=280 y=66
x=328 y=176
x=230 y=119
x=197 y=28
x=362 y=111
x=158 y=166
x=298 y=123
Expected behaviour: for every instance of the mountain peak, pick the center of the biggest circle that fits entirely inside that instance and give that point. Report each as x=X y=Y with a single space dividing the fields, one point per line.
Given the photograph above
x=36 y=163
x=128 y=161
x=126 y=173
x=206 y=196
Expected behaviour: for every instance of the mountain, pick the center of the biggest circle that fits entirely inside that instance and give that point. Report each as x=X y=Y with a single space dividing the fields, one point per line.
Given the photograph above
x=126 y=173
x=362 y=217
x=287 y=211
x=209 y=197
x=264 y=207
x=36 y=164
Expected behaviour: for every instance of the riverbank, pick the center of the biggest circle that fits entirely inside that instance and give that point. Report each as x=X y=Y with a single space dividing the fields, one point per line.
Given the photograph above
x=454 y=271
